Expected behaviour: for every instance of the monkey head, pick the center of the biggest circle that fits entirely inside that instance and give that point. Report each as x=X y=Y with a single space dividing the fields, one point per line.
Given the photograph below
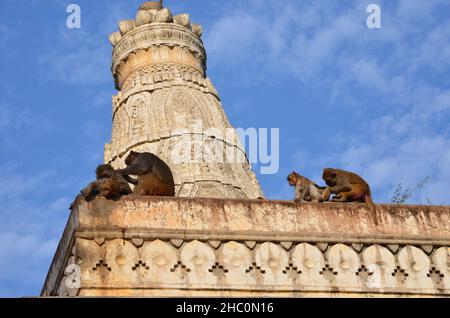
x=131 y=157
x=104 y=172
x=293 y=178
x=330 y=177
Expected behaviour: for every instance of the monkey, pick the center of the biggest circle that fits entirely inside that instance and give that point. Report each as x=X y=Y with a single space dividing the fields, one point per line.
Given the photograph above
x=305 y=189
x=154 y=175
x=347 y=187
x=109 y=184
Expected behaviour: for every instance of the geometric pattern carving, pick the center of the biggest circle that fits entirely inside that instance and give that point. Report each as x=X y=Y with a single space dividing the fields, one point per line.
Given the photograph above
x=382 y=259
x=255 y=268
x=435 y=275
x=328 y=272
x=101 y=264
x=234 y=266
x=181 y=268
x=400 y=274
x=140 y=264
x=364 y=273
x=292 y=271
x=218 y=271
x=416 y=265
x=342 y=260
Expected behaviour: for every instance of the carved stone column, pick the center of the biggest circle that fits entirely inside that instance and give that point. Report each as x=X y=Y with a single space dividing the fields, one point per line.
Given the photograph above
x=166 y=105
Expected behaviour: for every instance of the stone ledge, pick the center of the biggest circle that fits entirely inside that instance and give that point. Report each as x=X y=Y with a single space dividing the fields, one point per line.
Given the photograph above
x=260 y=218
x=272 y=239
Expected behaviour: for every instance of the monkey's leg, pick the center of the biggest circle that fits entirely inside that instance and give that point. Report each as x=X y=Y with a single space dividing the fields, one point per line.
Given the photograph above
x=141 y=188
x=306 y=195
x=341 y=197
x=298 y=194
x=137 y=189
x=326 y=194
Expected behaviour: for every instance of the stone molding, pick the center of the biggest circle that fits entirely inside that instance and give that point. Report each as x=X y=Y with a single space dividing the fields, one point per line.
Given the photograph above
x=211 y=247
x=158 y=35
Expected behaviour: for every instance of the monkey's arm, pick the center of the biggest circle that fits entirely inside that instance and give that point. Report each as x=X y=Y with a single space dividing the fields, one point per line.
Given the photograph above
x=326 y=194
x=130 y=179
x=340 y=188
x=138 y=168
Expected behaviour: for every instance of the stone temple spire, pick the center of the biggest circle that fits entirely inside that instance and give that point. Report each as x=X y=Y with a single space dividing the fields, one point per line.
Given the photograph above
x=166 y=105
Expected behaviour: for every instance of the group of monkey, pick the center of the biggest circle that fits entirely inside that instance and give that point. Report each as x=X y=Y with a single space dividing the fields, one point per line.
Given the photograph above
x=346 y=187
x=154 y=178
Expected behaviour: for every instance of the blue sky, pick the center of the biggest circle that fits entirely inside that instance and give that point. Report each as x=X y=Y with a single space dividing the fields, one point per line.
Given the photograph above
x=373 y=101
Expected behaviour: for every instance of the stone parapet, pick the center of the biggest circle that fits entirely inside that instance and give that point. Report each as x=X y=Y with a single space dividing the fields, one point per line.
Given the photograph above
x=213 y=247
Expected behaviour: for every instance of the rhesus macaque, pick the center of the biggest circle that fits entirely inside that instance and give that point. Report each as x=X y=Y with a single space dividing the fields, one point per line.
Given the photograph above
x=305 y=189
x=109 y=184
x=347 y=187
x=154 y=175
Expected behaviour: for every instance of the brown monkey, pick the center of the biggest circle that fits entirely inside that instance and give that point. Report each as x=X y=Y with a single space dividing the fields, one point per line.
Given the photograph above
x=109 y=184
x=305 y=189
x=154 y=175
x=347 y=187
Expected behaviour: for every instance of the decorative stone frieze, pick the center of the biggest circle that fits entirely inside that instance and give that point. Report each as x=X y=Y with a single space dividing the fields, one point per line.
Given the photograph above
x=211 y=247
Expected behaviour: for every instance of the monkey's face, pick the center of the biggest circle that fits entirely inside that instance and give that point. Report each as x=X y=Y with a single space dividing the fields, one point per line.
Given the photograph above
x=104 y=172
x=330 y=176
x=131 y=157
x=292 y=179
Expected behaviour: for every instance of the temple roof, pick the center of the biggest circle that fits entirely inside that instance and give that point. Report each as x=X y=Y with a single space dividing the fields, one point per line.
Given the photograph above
x=151 y=5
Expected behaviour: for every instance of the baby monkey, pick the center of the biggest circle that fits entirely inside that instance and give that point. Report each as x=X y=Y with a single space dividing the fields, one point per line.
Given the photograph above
x=305 y=189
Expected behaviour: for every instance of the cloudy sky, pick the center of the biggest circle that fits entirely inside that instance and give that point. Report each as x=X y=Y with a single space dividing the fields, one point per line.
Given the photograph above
x=375 y=101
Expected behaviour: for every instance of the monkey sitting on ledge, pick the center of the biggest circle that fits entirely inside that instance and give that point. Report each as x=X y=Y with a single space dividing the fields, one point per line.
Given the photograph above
x=109 y=184
x=347 y=187
x=305 y=189
x=154 y=175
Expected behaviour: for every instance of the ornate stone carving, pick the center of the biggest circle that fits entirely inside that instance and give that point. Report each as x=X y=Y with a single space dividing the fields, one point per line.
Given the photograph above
x=234 y=266
x=198 y=247
x=166 y=102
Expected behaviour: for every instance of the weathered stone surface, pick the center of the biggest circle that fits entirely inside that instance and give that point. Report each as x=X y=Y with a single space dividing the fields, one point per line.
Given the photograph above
x=197 y=29
x=114 y=38
x=144 y=17
x=126 y=26
x=164 y=15
x=268 y=267
x=151 y=5
x=166 y=102
x=182 y=19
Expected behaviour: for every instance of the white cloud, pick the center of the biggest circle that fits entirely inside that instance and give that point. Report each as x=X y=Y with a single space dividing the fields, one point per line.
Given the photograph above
x=83 y=56
x=403 y=135
x=78 y=58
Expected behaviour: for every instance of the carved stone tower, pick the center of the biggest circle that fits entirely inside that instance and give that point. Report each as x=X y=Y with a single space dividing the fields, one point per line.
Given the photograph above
x=166 y=105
